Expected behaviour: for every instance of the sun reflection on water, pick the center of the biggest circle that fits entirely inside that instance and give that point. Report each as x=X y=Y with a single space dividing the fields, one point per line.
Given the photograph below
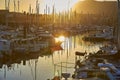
x=60 y=39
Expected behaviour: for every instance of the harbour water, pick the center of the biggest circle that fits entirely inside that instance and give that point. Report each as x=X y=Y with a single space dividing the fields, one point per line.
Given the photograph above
x=42 y=67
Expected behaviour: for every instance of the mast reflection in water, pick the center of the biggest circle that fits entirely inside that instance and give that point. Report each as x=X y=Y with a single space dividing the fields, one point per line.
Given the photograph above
x=40 y=66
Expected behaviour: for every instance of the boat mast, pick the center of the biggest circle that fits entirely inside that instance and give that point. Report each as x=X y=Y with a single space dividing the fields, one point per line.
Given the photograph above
x=53 y=12
x=68 y=10
x=7 y=9
x=18 y=5
x=118 y=28
x=37 y=12
x=53 y=16
x=30 y=10
x=5 y=4
x=14 y=6
x=36 y=6
x=8 y=5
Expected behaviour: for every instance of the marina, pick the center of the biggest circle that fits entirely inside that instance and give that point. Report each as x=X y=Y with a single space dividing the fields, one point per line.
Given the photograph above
x=59 y=40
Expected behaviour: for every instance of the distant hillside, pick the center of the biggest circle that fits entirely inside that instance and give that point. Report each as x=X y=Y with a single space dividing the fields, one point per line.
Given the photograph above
x=96 y=7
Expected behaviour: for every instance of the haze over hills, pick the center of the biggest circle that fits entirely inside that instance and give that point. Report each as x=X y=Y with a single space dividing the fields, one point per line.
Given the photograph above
x=96 y=7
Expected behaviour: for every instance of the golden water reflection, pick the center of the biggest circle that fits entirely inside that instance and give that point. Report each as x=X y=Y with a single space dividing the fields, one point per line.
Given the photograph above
x=42 y=67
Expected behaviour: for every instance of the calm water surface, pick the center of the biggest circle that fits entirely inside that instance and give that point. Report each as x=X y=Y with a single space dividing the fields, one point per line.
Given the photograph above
x=42 y=68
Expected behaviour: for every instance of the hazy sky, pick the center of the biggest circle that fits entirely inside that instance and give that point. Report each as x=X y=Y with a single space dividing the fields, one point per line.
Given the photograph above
x=60 y=5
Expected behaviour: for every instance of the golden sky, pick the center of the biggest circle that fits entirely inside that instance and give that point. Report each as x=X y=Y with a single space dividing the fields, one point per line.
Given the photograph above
x=60 y=5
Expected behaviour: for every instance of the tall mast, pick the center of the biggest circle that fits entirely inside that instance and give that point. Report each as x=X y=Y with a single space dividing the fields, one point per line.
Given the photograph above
x=6 y=4
x=118 y=28
x=6 y=8
x=14 y=6
x=68 y=10
x=30 y=11
x=46 y=13
x=18 y=5
x=37 y=7
x=46 y=9
x=53 y=13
